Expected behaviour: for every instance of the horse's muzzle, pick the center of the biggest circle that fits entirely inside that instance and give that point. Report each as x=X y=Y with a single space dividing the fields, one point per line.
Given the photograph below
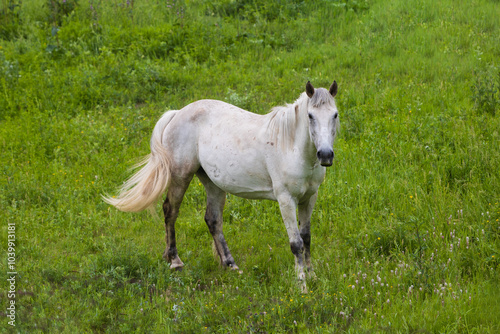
x=325 y=157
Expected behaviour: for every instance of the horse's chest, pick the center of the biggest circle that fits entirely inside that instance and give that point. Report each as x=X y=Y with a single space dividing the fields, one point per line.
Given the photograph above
x=303 y=182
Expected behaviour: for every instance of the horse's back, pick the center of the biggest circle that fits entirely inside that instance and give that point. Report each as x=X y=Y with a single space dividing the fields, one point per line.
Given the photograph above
x=216 y=112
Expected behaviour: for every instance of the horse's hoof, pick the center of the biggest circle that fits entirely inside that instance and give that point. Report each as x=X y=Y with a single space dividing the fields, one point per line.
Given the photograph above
x=176 y=267
x=176 y=264
x=236 y=268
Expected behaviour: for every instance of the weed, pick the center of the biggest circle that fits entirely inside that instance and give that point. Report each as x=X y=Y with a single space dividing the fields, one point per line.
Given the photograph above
x=486 y=91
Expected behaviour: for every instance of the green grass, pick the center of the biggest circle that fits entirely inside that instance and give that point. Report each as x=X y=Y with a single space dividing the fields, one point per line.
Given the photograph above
x=405 y=233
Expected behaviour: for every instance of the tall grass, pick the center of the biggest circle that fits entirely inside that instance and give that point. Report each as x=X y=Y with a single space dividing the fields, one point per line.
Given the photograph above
x=405 y=234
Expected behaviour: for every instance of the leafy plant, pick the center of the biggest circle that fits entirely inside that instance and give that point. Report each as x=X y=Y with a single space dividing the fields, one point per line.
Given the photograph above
x=10 y=20
x=486 y=91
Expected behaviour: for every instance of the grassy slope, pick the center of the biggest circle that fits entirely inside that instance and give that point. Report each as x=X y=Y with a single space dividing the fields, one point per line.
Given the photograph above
x=416 y=165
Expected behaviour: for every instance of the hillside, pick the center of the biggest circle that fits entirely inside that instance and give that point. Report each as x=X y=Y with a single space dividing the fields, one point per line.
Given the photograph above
x=405 y=233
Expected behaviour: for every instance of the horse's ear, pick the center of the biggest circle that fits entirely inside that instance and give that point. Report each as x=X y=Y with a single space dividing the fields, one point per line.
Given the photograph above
x=309 y=89
x=333 y=88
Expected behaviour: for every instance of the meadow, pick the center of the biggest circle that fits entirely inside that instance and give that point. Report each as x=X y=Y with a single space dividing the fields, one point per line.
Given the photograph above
x=405 y=233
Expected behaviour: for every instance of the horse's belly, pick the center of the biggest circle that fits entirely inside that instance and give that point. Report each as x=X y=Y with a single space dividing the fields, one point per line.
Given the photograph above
x=240 y=181
x=253 y=194
x=241 y=174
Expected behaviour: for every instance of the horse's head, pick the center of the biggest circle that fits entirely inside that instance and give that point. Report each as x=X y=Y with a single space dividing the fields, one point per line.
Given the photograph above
x=323 y=121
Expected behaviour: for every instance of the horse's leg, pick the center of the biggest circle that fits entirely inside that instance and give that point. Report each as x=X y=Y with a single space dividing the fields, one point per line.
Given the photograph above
x=216 y=199
x=305 y=212
x=288 y=206
x=171 y=207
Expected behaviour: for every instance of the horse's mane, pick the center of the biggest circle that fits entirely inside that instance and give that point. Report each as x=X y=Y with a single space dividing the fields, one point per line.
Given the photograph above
x=282 y=120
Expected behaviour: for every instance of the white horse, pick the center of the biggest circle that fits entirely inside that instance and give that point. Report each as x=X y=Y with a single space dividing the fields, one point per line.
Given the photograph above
x=280 y=156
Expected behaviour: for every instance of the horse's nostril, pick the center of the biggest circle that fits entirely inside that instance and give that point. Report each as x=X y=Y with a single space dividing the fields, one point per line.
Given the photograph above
x=325 y=154
x=325 y=157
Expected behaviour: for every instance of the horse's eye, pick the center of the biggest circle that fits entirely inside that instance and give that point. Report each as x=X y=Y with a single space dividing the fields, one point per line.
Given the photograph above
x=311 y=117
x=335 y=116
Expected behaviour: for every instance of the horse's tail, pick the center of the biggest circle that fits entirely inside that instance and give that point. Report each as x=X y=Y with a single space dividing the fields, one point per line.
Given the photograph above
x=144 y=188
